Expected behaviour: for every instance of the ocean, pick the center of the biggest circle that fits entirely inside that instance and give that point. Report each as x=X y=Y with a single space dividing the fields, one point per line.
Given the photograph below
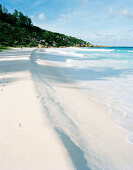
x=104 y=74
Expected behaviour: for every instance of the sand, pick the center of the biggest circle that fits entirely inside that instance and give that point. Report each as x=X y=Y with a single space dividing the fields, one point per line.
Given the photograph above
x=27 y=139
x=47 y=123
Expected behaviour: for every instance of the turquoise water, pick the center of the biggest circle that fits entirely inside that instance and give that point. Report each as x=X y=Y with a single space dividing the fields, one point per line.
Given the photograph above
x=106 y=74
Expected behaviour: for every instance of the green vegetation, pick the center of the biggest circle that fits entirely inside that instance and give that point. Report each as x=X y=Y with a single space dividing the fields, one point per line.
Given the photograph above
x=4 y=48
x=17 y=30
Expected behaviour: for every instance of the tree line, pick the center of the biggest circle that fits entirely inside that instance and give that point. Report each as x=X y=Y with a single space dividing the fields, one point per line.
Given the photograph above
x=17 y=29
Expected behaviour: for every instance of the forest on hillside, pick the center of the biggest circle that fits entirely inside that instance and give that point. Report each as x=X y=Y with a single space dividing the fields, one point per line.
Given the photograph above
x=16 y=29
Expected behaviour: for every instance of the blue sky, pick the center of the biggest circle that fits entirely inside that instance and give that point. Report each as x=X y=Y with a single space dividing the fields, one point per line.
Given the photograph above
x=105 y=22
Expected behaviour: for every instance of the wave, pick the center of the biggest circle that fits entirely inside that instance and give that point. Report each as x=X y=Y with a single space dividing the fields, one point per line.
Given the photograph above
x=79 y=63
x=96 y=64
x=69 y=53
x=116 y=93
x=64 y=52
x=108 y=75
x=87 y=49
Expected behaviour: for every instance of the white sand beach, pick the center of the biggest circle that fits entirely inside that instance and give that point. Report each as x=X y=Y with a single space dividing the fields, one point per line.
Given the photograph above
x=46 y=123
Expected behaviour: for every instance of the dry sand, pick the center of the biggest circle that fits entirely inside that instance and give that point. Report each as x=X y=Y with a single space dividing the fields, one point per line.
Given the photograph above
x=27 y=139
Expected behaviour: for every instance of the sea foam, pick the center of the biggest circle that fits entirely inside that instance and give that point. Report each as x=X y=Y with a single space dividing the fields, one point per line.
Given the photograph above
x=107 y=75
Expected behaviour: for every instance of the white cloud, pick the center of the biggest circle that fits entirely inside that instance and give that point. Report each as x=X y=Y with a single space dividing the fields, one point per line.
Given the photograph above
x=36 y=3
x=110 y=11
x=85 y=1
x=64 y=16
x=124 y=12
x=41 y=16
x=32 y=17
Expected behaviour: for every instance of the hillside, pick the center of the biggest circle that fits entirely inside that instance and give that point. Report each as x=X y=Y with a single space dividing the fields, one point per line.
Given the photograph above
x=17 y=30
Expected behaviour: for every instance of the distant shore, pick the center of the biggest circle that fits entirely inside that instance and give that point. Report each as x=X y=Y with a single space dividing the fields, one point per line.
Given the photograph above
x=43 y=46
x=4 y=48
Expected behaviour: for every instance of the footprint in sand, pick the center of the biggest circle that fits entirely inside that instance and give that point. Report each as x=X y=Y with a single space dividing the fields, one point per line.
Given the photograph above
x=20 y=125
x=40 y=97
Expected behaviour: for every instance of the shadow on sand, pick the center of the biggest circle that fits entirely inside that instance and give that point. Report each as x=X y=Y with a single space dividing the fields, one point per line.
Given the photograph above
x=75 y=153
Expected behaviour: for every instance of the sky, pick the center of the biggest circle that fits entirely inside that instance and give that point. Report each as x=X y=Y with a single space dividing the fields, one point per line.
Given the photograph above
x=102 y=22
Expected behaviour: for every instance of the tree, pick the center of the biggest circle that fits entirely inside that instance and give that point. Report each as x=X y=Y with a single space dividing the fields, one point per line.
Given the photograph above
x=15 y=13
x=28 y=21
x=17 y=30
x=32 y=44
x=21 y=19
x=0 y=8
x=5 y=10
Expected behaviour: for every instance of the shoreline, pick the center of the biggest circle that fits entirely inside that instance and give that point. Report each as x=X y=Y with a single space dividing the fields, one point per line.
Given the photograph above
x=3 y=48
x=55 y=118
